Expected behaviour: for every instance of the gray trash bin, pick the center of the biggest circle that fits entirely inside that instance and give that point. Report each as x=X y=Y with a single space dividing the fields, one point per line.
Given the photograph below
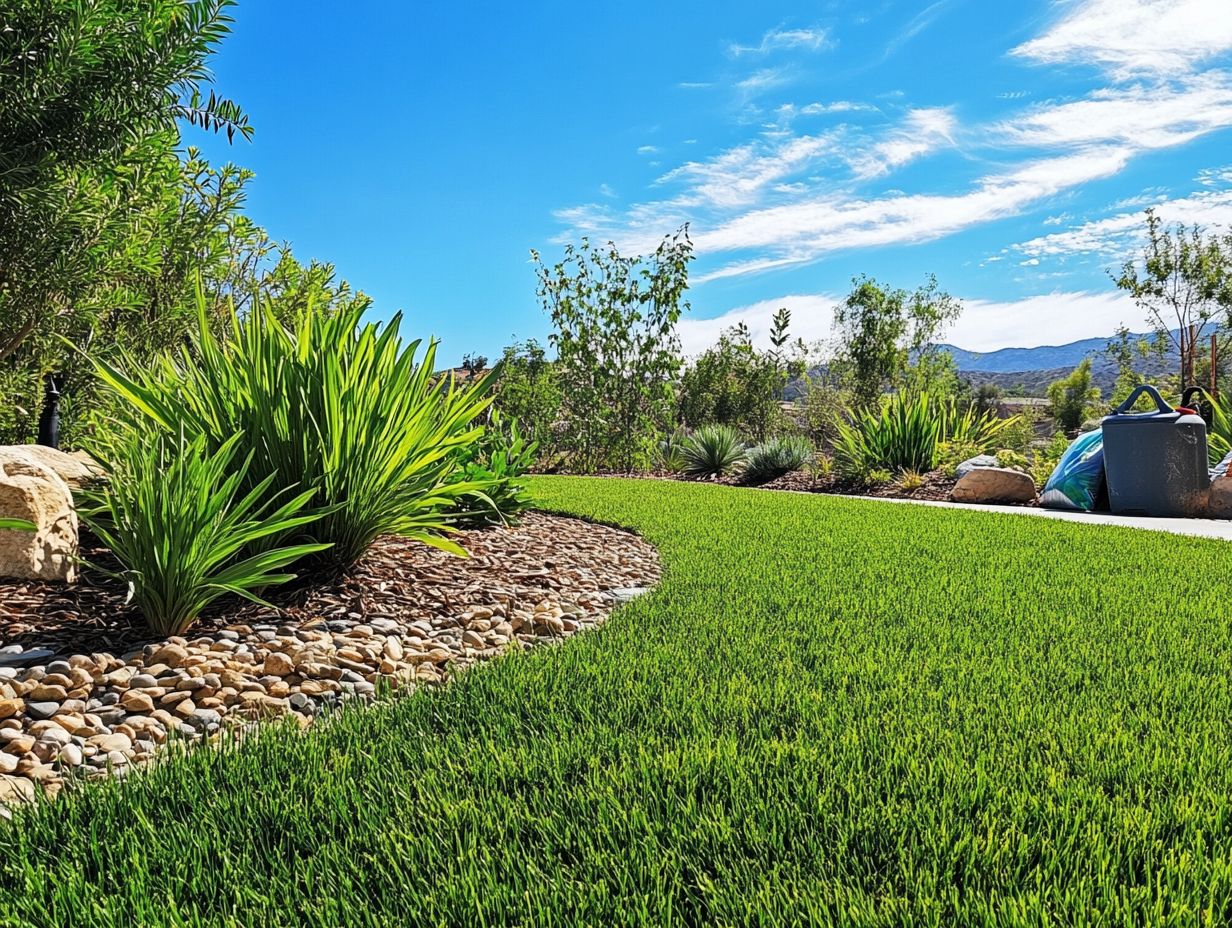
x=1155 y=462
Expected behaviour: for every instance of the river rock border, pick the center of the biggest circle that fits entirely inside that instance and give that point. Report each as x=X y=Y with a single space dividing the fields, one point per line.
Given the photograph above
x=407 y=615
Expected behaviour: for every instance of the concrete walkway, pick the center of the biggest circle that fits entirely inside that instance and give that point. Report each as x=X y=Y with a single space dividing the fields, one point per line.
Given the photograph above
x=1203 y=528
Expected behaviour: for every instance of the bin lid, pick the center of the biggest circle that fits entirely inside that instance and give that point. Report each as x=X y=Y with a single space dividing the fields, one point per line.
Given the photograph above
x=1163 y=411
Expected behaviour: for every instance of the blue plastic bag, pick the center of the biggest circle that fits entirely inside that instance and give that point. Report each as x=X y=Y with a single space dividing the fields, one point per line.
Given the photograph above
x=1078 y=480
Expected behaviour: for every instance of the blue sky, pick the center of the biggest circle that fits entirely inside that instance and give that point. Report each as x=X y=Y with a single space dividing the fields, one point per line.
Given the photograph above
x=1007 y=147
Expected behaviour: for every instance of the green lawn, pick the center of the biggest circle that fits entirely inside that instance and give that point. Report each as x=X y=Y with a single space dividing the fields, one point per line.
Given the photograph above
x=831 y=712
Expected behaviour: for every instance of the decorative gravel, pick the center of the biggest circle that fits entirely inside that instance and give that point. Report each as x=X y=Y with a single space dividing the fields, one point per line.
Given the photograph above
x=84 y=690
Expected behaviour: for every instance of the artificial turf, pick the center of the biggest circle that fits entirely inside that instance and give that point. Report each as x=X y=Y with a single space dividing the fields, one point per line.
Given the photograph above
x=830 y=712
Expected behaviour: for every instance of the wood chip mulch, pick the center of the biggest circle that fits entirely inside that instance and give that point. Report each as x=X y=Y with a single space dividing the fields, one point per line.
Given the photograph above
x=542 y=556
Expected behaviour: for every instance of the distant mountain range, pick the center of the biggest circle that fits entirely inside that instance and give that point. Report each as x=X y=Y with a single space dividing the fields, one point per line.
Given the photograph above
x=1029 y=371
x=1045 y=357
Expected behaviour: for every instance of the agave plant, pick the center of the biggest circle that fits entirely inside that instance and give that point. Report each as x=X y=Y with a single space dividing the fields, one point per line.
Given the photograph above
x=669 y=453
x=776 y=457
x=177 y=518
x=713 y=451
x=330 y=404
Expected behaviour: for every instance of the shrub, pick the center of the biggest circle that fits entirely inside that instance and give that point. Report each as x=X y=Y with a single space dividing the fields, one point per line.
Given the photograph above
x=901 y=435
x=912 y=432
x=1074 y=398
x=952 y=453
x=713 y=451
x=176 y=516
x=669 y=453
x=981 y=429
x=1007 y=457
x=495 y=466
x=777 y=457
x=330 y=404
x=910 y=480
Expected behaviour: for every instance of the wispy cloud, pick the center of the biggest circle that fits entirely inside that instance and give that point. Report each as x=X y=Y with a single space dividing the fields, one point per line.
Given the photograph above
x=647 y=149
x=787 y=197
x=813 y=39
x=1146 y=116
x=1131 y=38
x=1114 y=236
x=922 y=131
x=761 y=81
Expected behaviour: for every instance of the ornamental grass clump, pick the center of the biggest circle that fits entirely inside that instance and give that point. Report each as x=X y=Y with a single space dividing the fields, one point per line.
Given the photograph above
x=713 y=451
x=328 y=404
x=776 y=457
x=909 y=432
x=177 y=517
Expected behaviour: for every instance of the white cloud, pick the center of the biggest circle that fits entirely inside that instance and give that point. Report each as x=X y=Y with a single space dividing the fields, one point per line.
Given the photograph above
x=1046 y=319
x=1116 y=236
x=813 y=40
x=922 y=131
x=1135 y=37
x=838 y=106
x=811 y=319
x=739 y=175
x=760 y=82
x=647 y=149
x=985 y=325
x=1145 y=116
x=799 y=232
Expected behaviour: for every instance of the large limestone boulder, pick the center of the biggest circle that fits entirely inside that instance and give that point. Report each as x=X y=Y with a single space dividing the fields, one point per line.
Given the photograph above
x=37 y=494
x=76 y=469
x=993 y=485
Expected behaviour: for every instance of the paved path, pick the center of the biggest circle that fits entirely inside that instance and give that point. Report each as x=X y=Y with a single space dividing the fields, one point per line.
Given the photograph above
x=1205 y=528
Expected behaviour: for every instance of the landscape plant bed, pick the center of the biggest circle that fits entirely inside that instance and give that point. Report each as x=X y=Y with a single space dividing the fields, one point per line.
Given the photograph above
x=935 y=485
x=84 y=690
x=828 y=712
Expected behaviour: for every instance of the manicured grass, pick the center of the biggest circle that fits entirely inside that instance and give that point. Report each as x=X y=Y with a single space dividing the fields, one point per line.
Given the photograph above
x=831 y=712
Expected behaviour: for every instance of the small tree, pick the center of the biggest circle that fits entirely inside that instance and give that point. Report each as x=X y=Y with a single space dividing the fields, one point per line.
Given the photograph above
x=528 y=390
x=888 y=338
x=733 y=383
x=1074 y=398
x=1184 y=280
x=1128 y=354
x=617 y=351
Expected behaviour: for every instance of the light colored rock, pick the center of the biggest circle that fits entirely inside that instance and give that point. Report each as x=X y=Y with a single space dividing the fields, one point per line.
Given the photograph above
x=8 y=763
x=278 y=664
x=172 y=654
x=993 y=485
x=75 y=469
x=16 y=789
x=1219 y=498
x=70 y=755
x=980 y=460
x=11 y=707
x=137 y=701
x=111 y=742
x=37 y=495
